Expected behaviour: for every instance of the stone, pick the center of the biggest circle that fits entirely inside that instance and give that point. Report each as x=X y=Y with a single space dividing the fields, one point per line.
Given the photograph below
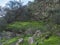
x=18 y=35
x=37 y=33
x=20 y=41
x=30 y=40
x=29 y=31
x=58 y=33
x=7 y=34
x=56 y=1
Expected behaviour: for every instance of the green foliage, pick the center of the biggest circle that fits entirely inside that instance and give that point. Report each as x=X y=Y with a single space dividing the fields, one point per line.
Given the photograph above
x=23 y=26
x=10 y=41
x=3 y=24
x=46 y=16
x=53 y=40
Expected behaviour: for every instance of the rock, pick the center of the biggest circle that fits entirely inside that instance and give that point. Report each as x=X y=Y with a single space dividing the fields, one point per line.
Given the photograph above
x=18 y=35
x=8 y=34
x=48 y=35
x=58 y=33
x=29 y=31
x=30 y=40
x=56 y=1
x=20 y=41
x=37 y=33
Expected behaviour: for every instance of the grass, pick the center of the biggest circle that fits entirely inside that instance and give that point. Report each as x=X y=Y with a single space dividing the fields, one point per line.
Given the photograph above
x=10 y=41
x=53 y=40
x=26 y=25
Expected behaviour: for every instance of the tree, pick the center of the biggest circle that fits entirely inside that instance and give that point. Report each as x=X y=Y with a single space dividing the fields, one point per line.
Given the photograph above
x=12 y=11
x=14 y=4
x=3 y=24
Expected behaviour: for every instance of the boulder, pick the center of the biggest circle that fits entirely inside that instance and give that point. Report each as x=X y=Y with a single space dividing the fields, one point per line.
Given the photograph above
x=20 y=41
x=30 y=40
x=37 y=33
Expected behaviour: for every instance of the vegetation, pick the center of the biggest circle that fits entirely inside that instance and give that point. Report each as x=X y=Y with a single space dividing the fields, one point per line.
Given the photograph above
x=53 y=40
x=25 y=20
